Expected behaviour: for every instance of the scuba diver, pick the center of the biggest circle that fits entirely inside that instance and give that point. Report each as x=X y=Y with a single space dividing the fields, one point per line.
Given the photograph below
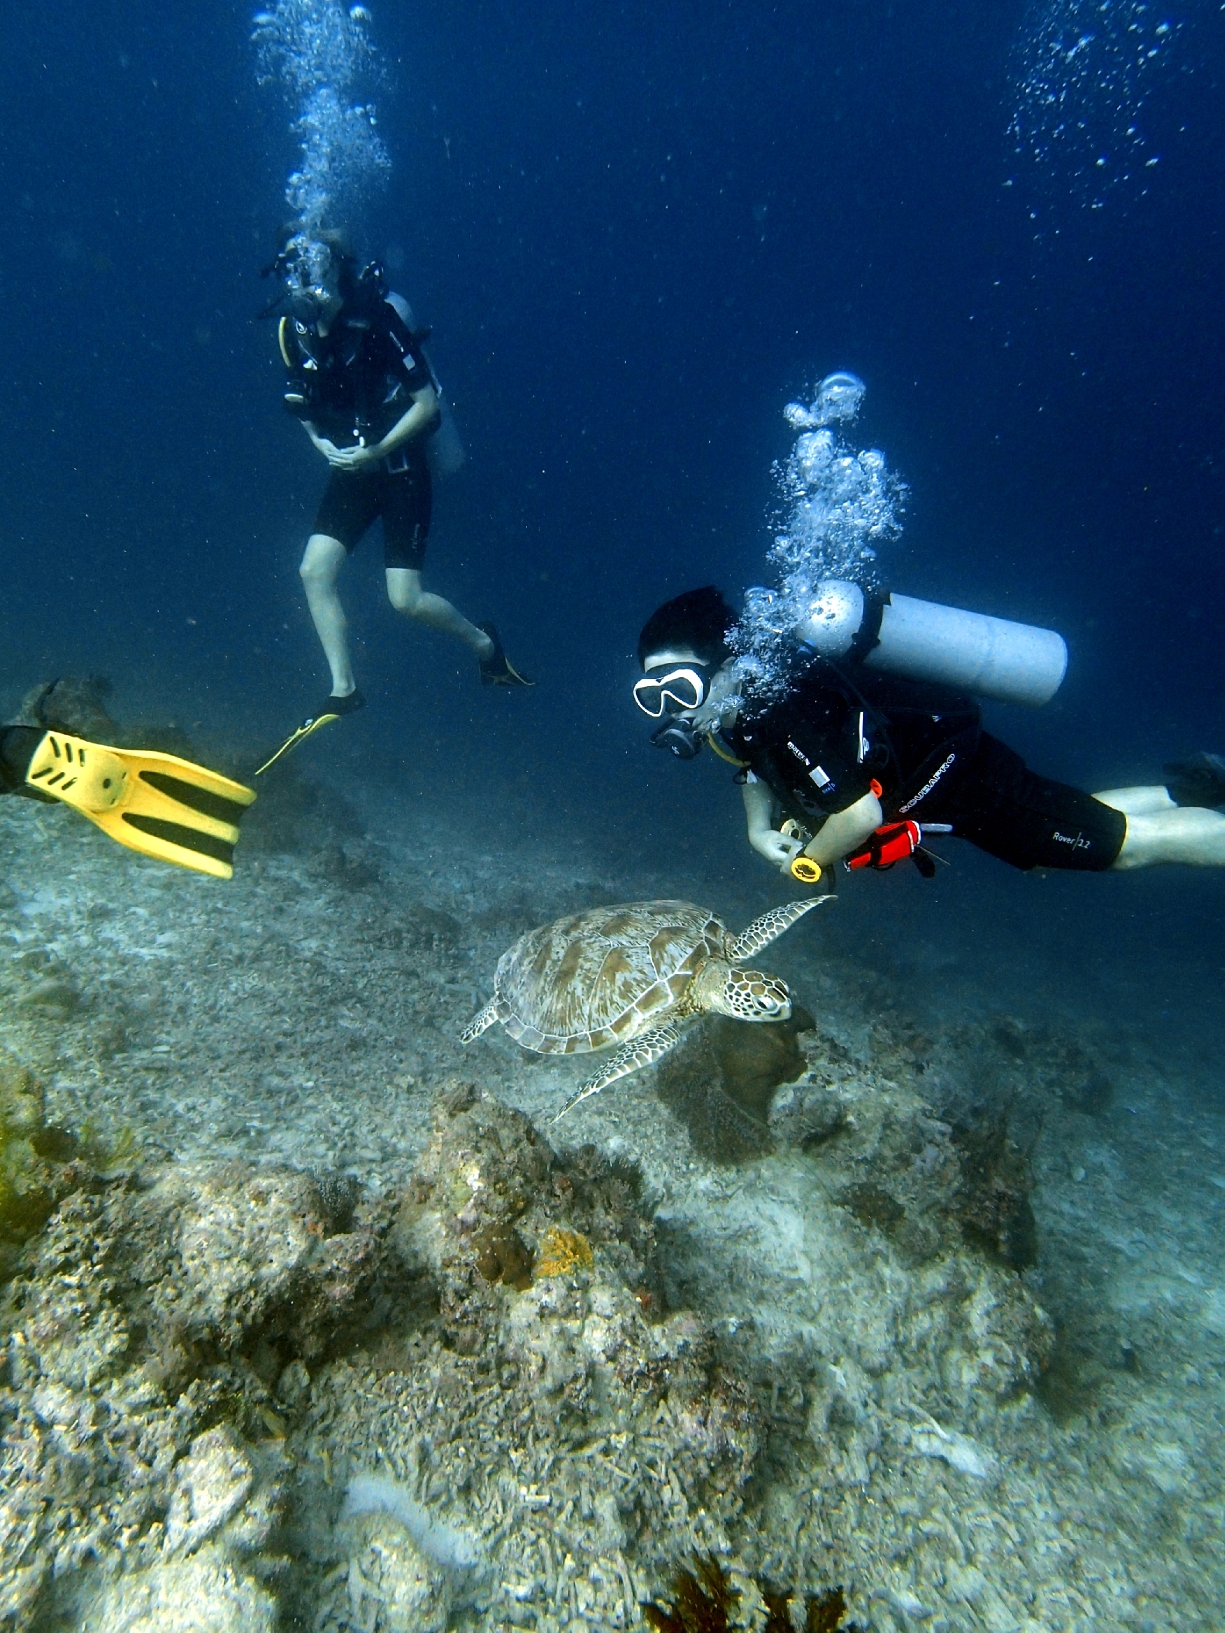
x=157 y=804
x=876 y=740
x=361 y=384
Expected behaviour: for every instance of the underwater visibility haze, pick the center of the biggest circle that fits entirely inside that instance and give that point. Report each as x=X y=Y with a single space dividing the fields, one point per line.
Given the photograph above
x=903 y=1309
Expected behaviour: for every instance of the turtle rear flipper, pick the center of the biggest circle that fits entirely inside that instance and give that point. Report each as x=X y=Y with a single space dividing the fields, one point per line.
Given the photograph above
x=770 y=926
x=641 y=1051
x=480 y=1023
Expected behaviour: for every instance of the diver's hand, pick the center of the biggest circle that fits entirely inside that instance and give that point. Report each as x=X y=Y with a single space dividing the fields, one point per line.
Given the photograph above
x=778 y=849
x=325 y=447
x=350 y=459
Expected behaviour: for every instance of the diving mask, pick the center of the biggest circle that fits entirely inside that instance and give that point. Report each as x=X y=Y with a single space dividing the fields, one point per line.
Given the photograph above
x=311 y=270
x=679 y=689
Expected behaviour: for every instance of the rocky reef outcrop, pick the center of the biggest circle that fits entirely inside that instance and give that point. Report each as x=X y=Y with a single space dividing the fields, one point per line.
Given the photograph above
x=147 y=1332
x=245 y=1396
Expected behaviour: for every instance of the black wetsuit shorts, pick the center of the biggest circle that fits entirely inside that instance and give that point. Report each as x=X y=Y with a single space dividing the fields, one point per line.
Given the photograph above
x=1006 y=809
x=404 y=499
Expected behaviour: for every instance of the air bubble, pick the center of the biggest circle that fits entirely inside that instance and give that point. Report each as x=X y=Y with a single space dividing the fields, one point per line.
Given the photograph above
x=319 y=52
x=1083 y=74
x=837 y=504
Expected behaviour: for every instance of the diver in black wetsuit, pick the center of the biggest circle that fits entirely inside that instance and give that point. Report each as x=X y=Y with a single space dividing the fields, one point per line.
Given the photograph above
x=362 y=386
x=855 y=764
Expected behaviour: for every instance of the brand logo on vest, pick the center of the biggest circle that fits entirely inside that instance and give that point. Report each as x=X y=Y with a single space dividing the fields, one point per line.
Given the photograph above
x=928 y=785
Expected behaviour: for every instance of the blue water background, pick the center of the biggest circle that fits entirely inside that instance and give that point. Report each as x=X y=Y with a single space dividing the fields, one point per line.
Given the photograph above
x=637 y=230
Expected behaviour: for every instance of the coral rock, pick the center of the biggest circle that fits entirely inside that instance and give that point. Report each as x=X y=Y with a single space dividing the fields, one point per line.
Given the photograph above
x=202 y=1594
x=722 y=1079
x=562 y=1252
x=213 y=1481
x=32 y=1176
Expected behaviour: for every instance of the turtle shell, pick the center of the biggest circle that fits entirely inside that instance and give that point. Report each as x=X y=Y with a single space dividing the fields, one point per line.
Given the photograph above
x=599 y=978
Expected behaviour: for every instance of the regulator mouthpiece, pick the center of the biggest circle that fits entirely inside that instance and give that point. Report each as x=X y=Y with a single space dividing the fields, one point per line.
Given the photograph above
x=679 y=737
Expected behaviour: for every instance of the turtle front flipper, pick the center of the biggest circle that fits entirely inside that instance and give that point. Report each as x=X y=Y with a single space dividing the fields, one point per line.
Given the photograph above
x=480 y=1023
x=641 y=1051
x=770 y=926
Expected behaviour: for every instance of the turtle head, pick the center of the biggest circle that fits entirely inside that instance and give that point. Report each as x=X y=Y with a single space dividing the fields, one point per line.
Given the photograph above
x=746 y=995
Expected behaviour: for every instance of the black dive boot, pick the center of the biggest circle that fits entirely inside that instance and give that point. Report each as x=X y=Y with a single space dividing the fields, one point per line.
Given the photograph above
x=335 y=708
x=1199 y=780
x=497 y=669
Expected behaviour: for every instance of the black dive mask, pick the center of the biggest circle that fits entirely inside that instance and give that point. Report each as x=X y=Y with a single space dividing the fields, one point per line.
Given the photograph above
x=680 y=737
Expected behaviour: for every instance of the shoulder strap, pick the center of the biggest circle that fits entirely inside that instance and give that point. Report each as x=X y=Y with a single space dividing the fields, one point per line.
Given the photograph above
x=401 y=308
x=405 y=336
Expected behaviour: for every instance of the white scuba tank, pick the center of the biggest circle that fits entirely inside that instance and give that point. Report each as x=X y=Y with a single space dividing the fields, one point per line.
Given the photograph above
x=969 y=651
x=444 y=450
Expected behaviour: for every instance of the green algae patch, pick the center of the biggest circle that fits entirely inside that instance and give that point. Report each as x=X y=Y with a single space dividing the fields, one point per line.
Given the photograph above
x=34 y=1158
x=26 y=1183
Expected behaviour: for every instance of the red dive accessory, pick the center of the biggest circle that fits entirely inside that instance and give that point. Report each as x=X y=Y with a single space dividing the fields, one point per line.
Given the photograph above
x=893 y=842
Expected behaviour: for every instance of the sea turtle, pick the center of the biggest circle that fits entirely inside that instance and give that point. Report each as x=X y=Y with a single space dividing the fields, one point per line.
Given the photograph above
x=631 y=975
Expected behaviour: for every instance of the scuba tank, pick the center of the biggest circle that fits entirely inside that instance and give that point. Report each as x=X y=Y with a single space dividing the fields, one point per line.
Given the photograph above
x=921 y=640
x=444 y=450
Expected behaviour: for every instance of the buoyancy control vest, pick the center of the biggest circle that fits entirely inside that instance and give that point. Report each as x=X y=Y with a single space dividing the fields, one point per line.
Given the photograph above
x=837 y=735
x=356 y=381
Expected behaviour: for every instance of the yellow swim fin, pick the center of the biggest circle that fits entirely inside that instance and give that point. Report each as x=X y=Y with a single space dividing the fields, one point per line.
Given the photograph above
x=153 y=803
x=298 y=735
x=333 y=708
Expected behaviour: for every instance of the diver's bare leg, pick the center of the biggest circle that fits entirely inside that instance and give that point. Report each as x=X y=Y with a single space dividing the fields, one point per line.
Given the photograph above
x=1138 y=801
x=322 y=562
x=1160 y=831
x=406 y=595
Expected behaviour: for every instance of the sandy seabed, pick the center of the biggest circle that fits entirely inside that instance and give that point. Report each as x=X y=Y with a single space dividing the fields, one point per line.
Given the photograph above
x=332 y=1328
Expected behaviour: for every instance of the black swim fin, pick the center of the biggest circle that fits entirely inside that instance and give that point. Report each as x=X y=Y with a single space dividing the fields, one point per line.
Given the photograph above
x=1196 y=781
x=497 y=669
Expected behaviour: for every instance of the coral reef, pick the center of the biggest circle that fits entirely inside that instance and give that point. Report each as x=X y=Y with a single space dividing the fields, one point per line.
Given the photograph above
x=36 y=1160
x=424 y=1423
x=295 y=815
x=80 y=707
x=706 y=1598
x=73 y=705
x=177 y=1408
x=993 y=1198
x=597 y=1429
x=721 y=1080
x=153 y=1333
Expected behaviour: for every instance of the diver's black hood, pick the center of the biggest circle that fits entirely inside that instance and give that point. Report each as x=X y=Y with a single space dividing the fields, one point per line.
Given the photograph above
x=698 y=621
